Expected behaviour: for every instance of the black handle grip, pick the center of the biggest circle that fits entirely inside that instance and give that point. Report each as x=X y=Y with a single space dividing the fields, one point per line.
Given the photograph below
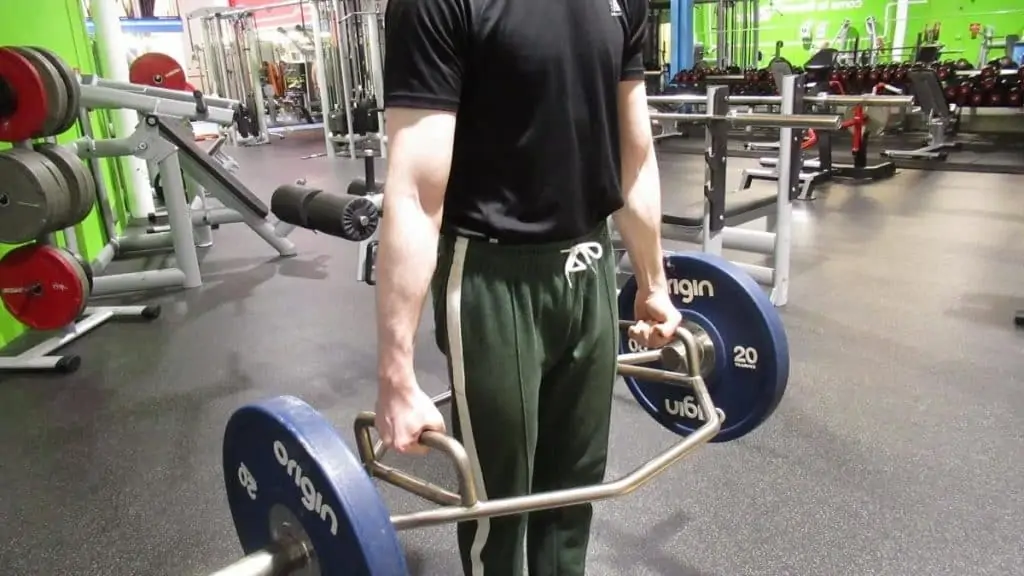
x=370 y=264
x=201 y=108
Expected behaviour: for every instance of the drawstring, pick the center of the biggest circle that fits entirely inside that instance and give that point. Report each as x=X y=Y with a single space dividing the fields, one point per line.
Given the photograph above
x=581 y=257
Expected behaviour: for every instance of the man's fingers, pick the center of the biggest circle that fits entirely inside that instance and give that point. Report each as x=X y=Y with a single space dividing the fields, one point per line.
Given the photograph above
x=410 y=445
x=386 y=437
x=666 y=330
x=641 y=332
x=414 y=449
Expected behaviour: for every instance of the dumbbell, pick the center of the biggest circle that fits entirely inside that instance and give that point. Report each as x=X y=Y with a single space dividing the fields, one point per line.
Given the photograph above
x=300 y=499
x=1014 y=97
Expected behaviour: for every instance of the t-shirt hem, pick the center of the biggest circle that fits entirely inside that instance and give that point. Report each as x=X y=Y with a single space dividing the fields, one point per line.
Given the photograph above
x=421 y=102
x=630 y=75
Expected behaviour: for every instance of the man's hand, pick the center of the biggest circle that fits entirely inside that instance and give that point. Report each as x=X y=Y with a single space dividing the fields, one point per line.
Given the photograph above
x=656 y=318
x=404 y=412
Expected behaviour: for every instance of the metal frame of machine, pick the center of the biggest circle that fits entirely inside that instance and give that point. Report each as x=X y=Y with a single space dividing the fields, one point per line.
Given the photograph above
x=347 y=62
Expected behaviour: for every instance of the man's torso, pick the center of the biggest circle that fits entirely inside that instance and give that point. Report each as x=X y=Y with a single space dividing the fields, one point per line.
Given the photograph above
x=536 y=154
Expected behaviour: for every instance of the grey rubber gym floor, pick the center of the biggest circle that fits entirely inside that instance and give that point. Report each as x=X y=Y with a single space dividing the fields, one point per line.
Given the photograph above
x=896 y=451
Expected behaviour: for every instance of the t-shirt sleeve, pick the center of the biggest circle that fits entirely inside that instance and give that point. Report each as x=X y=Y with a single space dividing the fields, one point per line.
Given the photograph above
x=636 y=33
x=425 y=51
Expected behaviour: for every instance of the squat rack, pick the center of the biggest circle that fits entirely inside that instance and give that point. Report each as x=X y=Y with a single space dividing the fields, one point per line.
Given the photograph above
x=714 y=221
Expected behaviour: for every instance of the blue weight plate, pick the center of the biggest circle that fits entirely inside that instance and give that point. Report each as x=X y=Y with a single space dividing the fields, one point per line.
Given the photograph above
x=751 y=351
x=283 y=460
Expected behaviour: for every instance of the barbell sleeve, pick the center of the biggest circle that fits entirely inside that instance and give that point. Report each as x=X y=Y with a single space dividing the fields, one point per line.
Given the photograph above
x=279 y=560
x=759 y=119
x=865 y=100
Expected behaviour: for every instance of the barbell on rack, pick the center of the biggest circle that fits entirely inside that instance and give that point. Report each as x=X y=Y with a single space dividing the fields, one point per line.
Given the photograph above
x=304 y=504
x=865 y=100
x=758 y=119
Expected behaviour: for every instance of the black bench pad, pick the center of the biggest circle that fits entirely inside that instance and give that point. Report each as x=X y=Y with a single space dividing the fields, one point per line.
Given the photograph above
x=187 y=145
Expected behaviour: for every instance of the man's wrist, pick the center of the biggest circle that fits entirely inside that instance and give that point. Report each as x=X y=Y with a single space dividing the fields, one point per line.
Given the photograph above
x=396 y=372
x=650 y=272
x=652 y=282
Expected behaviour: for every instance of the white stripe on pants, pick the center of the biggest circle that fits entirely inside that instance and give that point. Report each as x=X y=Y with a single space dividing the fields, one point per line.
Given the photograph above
x=453 y=322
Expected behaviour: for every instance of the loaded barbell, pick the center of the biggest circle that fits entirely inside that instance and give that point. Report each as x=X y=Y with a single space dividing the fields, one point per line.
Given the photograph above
x=757 y=119
x=303 y=503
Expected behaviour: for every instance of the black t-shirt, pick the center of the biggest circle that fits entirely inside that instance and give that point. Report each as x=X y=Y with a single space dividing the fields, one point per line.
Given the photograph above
x=534 y=84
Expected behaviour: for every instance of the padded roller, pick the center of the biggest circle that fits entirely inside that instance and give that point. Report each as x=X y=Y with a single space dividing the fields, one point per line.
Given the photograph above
x=290 y=204
x=353 y=218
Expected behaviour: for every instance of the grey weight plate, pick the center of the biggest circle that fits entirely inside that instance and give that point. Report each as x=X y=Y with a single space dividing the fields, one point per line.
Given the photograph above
x=28 y=191
x=90 y=197
x=57 y=94
x=80 y=185
x=59 y=194
x=71 y=86
x=60 y=197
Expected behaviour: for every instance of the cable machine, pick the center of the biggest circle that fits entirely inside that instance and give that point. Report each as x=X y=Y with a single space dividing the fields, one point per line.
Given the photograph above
x=357 y=125
x=279 y=76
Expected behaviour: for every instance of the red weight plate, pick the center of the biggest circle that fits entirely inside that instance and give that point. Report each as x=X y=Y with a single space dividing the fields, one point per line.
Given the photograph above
x=41 y=288
x=23 y=101
x=158 y=70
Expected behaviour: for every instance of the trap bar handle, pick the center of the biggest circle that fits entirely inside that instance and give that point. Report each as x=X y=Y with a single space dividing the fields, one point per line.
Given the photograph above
x=467 y=506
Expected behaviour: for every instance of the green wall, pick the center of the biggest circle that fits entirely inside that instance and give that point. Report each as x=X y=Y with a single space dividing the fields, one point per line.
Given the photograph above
x=956 y=17
x=783 y=20
x=60 y=26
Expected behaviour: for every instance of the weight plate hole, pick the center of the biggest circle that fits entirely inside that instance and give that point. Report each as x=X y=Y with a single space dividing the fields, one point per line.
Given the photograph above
x=36 y=289
x=5 y=200
x=8 y=99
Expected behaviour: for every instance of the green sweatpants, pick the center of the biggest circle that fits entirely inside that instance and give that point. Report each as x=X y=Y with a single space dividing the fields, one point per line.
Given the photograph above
x=531 y=339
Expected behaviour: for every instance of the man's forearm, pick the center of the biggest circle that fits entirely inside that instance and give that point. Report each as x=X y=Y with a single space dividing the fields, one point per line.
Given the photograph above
x=406 y=259
x=639 y=220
